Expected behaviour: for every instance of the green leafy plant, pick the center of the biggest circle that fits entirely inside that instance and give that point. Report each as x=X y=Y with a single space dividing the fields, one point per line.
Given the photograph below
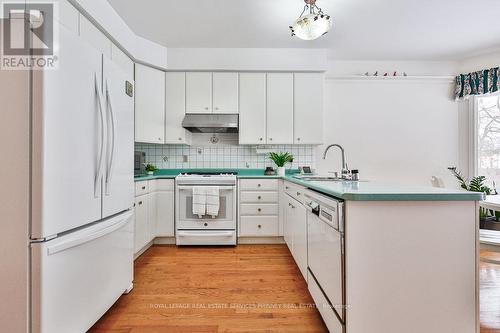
x=280 y=159
x=476 y=184
x=151 y=167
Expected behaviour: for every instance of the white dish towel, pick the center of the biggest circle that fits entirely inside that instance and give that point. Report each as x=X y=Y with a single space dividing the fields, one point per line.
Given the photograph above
x=199 y=201
x=212 y=200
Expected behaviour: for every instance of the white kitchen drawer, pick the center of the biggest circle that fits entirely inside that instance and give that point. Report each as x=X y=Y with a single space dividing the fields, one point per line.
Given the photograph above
x=258 y=197
x=259 y=209
x=295 y=191
x=256 y=226
x=209 y=237
x=164 y=185
x=141 y=188
x=259 y=184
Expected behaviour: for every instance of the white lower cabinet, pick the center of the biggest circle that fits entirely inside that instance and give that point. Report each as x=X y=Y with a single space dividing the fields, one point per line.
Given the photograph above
x=164 y=224
x=295 y=230
x=259 y=208
x=154 y=211
x=141 y=231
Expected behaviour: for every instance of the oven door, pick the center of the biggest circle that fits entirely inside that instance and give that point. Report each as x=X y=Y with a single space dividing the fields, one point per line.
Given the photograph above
x=226 y=219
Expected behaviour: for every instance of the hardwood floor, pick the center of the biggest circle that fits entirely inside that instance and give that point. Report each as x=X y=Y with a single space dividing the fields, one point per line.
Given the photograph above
x=190 y=289
x=489 y=275
x=244 y=289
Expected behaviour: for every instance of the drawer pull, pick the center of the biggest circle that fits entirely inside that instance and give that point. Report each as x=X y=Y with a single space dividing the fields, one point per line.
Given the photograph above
x=144 y=187
x=140 y=202
x=298 y=193
x=259 y=210
x=259 y=197
x=286 y=187
x=259 y=185
x=205 y=224
x=260 y=226
x=289 y=204
x=260 y=139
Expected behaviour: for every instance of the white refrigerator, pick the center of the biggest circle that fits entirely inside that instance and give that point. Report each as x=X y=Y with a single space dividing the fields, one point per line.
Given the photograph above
x=81 y=193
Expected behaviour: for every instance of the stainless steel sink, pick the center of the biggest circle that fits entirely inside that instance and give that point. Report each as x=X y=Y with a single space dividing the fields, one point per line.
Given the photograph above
x=321 y=178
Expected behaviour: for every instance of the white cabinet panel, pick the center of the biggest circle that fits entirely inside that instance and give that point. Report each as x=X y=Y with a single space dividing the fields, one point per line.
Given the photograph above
x=225 y=92
x=252 y=108
x=308 y=108
x=95 y=37
x=198 y=92
x=299 y=213
x=149 y=105
x=164 y=224
x=141 y=232
x=259 y=226
x=175 y=108
x=279 y=108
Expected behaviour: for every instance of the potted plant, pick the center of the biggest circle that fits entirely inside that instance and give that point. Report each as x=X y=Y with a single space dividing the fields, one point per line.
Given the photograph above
x=151 y=168
x=476 y=184
x=280 y=159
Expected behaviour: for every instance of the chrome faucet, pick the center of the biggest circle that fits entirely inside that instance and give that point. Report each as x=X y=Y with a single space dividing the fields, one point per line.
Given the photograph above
x=345 y=169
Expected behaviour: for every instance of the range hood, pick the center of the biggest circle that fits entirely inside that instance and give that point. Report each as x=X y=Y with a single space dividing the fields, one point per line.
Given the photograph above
x=211 y=123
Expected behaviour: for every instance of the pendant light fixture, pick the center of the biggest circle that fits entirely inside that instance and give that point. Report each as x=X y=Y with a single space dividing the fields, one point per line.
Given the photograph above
x=313 y=24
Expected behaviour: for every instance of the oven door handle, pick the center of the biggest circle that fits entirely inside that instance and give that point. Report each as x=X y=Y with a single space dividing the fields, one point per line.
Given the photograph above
x=206 y=234
x=222 y=187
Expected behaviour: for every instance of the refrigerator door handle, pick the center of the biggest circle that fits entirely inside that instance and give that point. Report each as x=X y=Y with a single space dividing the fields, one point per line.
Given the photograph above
x=109 y=171
x=73 y=242
x=98 y=176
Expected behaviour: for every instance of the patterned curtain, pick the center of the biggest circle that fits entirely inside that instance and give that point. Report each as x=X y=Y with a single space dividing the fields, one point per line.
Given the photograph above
x=477 y=83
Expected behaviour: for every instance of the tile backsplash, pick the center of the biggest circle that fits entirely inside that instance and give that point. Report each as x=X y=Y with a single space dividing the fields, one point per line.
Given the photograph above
x=224 y=154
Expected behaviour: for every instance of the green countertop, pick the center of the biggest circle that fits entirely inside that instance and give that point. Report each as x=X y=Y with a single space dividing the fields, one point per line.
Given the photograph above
x=346 y=190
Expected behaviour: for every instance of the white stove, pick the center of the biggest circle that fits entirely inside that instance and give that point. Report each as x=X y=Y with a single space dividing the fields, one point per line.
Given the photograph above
x=193 y=229
x=206 y=178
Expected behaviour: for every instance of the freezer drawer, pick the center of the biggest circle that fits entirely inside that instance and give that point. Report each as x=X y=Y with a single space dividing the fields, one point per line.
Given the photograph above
x=77 y=277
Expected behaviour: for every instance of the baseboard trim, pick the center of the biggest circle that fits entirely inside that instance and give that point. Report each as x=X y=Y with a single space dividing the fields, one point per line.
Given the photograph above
x=261 y=240
x=164 y=241
x=144 y=249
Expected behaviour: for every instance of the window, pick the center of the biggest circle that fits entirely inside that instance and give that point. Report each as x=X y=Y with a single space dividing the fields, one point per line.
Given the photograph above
x=488 y=137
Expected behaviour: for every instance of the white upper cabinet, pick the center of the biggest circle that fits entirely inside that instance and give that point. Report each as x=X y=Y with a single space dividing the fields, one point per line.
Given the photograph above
x=225 y=92
x=308 y=108
x=252 y=108
x=198 y=92
x=95 y=37
x=280 y=108
x=149 y=105
x=175 y=106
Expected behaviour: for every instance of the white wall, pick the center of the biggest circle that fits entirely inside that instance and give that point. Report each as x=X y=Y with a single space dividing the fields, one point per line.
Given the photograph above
x=479 y=62
x=399 y=131
x=239 y=59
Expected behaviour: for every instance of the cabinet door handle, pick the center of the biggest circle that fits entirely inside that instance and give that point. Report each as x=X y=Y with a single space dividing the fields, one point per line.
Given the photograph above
x=286 y=187
x=298 y=193
x=140 y=202
x=270 y=139
x=159 y=139
x=298 y=139
x=259 y=197
x=144 y=187
x=259 y=210
x=289 y=204
x=206 y=107
x=260 y=139
x=180 y=139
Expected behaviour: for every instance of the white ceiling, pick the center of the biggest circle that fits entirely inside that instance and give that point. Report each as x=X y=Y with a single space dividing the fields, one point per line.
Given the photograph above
x=362 y=29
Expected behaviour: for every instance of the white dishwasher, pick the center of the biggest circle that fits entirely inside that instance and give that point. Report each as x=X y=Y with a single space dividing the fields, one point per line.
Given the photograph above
x=325 y=257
